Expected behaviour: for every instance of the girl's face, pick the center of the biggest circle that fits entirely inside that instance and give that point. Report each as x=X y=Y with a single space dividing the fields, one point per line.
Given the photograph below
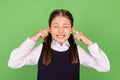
x=60 y=29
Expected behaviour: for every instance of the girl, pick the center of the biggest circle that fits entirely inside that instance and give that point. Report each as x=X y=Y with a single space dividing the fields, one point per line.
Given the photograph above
x=58 y=57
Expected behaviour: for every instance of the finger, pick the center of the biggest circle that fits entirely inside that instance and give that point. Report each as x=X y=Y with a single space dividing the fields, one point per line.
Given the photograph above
x=43 y=35
x=75 y=31
x=77 y=37
x=48 y=30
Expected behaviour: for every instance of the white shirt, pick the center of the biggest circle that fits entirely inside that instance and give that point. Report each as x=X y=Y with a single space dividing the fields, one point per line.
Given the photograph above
x=28 y=54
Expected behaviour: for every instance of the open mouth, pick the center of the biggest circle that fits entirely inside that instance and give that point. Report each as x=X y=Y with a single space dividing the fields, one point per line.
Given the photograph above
x=60 y=36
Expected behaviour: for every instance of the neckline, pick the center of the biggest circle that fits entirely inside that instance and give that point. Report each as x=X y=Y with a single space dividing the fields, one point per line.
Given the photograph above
x=60 y=52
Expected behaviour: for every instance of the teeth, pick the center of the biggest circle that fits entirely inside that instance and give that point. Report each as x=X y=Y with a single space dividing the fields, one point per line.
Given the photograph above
x=60 y=36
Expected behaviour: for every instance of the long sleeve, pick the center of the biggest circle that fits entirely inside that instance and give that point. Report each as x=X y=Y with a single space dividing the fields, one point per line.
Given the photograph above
x=96 y=58
x=25 y=54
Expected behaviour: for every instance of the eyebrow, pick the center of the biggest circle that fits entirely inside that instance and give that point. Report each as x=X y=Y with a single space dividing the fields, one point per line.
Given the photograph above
x=58 y=24
x=54 y=23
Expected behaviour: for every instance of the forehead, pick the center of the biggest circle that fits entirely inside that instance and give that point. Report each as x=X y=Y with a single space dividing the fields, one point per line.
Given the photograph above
x=61 y=19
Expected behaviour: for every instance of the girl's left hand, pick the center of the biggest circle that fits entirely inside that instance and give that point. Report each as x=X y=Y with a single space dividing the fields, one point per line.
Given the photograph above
x=82 y=38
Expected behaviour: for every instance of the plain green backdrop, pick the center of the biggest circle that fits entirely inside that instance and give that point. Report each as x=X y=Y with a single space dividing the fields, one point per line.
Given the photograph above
x=97 y=19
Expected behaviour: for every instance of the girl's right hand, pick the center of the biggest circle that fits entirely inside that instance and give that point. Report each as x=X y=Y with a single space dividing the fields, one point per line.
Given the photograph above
x=39 y=35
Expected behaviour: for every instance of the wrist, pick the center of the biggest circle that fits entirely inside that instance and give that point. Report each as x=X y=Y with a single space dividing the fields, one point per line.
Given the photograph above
x=34 y=38
x=90 y=43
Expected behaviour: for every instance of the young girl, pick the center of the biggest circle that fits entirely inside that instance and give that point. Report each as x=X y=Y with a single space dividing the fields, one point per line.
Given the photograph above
x=58 y=57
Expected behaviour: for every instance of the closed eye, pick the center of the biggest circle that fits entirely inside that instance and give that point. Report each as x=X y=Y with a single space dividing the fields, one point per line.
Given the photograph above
x=55 y=26
x=66 y=26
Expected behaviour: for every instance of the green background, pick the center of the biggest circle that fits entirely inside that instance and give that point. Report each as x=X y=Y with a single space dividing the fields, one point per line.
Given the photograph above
x=97 y=19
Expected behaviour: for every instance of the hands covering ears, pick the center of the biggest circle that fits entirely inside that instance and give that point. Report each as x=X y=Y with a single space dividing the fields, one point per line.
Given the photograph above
x=78 y=36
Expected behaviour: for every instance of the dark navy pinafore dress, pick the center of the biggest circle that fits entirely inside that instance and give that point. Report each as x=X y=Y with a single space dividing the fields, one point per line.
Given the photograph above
x=60 y=67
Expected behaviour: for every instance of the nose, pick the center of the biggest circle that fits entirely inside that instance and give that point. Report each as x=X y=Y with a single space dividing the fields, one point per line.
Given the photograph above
x=61 y=30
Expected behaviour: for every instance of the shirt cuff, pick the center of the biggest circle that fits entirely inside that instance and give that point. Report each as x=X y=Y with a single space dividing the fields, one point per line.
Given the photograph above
x=28 y=42
x=94 y=49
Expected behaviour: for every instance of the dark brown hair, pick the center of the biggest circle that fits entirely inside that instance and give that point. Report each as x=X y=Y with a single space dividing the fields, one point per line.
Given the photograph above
x=47 y=58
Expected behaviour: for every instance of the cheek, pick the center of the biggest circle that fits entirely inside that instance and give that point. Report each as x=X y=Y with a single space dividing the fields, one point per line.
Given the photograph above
x=68 y=31
x=52 y=30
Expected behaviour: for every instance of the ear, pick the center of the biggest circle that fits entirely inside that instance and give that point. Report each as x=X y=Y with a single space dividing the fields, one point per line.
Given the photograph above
x=72 y=29
x=48 y=28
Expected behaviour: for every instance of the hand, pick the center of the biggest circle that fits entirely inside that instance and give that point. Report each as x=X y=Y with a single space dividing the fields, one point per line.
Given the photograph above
x=82 y=38
x=40 y=34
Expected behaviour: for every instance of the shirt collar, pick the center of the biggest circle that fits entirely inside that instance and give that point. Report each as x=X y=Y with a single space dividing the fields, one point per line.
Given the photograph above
x=56 y=46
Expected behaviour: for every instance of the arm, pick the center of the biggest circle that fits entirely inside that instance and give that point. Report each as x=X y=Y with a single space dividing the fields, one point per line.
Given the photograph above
x=96 y=58
x=26 y=54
